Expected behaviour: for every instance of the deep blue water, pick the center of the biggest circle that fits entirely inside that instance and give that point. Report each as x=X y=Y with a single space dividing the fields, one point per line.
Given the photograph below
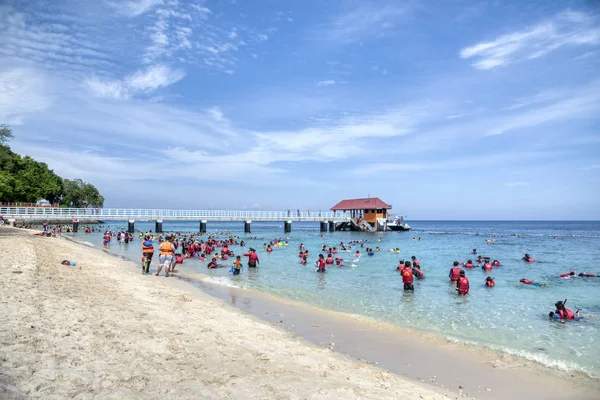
x=510 y=317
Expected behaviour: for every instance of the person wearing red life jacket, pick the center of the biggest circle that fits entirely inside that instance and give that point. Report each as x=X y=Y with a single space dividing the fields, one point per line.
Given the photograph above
x=407 y=277
x=584 y=275
x=487 y=267
x=530 y=282
x=416 y=270
x=568 y=274
x=469 y=264
x=454 y=272
x=329 y=259
x=489 y=282
x=415 y=261
x=462 y=285
x=252 y=258
x=321 y=263
x=496 y=263
x=564 y=312
x=400 y=265
x=225 y=250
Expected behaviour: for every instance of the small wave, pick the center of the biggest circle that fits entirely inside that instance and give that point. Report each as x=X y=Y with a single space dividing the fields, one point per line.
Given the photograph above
x=538 y=358
x=220 y=281
x=508 y=235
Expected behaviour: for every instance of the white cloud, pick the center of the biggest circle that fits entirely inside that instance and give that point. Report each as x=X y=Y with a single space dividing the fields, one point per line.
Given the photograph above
x=580 y=103
x=362 y=22
x=565 y=29
x=325 y=83
x=141 y=82
x=22 y=92
x=133 y=8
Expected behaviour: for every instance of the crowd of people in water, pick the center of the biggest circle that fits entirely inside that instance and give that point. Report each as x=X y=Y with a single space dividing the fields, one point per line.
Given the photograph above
x=174 y=248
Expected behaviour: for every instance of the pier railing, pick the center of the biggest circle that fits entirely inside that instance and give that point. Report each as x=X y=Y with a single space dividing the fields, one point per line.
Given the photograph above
x=143 y=214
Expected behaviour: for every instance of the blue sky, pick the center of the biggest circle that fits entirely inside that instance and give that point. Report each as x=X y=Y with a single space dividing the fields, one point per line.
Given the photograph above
x=453 y=110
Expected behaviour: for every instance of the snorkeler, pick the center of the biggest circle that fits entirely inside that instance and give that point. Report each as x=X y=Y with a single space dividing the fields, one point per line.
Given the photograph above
x=562 y=312
x=530 y=282
x=489 y=282
x=568 y=274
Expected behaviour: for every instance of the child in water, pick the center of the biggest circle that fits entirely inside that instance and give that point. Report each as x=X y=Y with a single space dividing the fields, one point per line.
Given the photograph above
x=237 y=265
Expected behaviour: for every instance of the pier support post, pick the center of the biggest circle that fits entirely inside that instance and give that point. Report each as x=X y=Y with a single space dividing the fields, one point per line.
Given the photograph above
x=287 y=226
x=247 y=227
x=203 y=226
x=323 y=226
x=332 y=226
x=75 y=225
x=131 y=226
x=158 y=226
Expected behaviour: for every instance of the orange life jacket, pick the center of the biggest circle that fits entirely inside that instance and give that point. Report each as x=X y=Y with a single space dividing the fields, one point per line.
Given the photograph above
x=407 y=276
x=147 y=249
x=166 y=249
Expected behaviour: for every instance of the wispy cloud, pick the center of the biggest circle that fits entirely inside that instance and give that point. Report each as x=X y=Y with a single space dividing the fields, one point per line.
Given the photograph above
x=22 y=92
x=569 y=28
x=56 y=42
x=325 y=83
x=133 y=8
x=141 y=82
x=363 y=22
x=517 y=184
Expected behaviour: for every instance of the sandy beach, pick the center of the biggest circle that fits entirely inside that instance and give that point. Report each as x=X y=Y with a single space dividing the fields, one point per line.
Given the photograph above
x=99 y=330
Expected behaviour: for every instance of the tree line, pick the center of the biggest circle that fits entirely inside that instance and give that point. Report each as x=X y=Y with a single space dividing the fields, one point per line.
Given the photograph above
x=23 y=179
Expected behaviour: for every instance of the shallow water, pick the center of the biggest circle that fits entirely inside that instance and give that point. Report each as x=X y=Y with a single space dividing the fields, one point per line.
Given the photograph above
x=509 y=317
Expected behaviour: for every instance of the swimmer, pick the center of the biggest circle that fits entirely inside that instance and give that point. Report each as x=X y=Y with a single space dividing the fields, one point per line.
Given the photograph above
x=584 y=275
x=489 y=282
x=530 y=282
x=568 y=274
x=526 y=257
x=564 y=313
x=474 y=251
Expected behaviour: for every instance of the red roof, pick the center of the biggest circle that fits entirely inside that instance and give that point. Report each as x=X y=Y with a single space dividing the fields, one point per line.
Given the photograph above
x=360 y=204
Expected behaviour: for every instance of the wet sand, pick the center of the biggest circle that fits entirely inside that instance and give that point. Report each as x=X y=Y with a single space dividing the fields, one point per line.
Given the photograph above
x=456 y=368
x=102 y=330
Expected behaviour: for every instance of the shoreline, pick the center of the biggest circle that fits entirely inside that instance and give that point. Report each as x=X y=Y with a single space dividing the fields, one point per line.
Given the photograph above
x=506 y=375
x=102 y=330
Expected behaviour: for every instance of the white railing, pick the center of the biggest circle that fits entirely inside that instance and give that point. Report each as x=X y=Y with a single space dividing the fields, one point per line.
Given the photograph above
x=125 y=213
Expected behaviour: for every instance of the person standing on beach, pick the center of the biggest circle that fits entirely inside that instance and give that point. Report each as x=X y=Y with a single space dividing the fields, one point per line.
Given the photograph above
x=165 y=258
x=147 y=253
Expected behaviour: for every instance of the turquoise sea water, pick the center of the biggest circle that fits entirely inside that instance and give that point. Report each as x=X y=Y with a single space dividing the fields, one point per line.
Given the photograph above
x=510 y=317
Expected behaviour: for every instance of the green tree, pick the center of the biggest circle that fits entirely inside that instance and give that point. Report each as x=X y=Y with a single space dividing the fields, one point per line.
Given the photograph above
x=5 y=134
x=78 y=194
